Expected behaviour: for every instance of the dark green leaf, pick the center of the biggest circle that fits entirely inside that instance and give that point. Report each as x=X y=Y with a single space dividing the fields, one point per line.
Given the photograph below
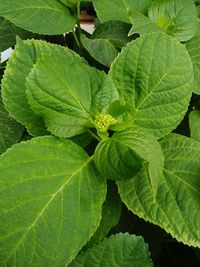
x=194 y=122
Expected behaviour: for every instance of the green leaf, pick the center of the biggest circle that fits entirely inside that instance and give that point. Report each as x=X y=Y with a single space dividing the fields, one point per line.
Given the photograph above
x=118 y=9
x=21 y=61
x=155 y=74
x=44 y=17
x=50 y=189
x=10 y=130
x=194 y=122
x=176 y=17
x=119 y=250
x=8 y=33
x=177 y=202
x=114 y=31
x=124 y=154
x=193 y=47
x=68 y=103
x=111 y=212
x=102 y=50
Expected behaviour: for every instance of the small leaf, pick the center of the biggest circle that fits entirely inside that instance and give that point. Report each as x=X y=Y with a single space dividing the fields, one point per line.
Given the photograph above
x=193 y=47
x=21 y=61
x=177 y=201
x=10 y=130
x=52 y=15
x=68 y=103
x=155 y=74
x=119 y=250
x=102 y=50
x=8 y=33
x=175 y=17
x=119 y=10
x=194 y=122
x=51 y=202
x=124 y=154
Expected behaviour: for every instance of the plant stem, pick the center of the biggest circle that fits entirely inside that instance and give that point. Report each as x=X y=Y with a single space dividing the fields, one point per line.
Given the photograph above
x=94 y=135
x=76 y=38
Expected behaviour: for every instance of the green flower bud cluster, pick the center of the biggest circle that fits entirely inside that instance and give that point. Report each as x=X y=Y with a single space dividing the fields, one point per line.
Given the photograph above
x=102 y=122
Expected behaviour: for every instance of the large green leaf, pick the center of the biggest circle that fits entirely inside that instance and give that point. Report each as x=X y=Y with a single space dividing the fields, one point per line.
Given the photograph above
x=155 y=74
x=193 y=47
x=10 y=130
x=125 y=153
x=176 y=205
x=119 y=9
x=71 y=97
x=176 y=17
x=102 y=50
x=50 y=205
x=21 y=62
x=194 y=122
x=122 y=250
x=8 y=32
x=44 y=17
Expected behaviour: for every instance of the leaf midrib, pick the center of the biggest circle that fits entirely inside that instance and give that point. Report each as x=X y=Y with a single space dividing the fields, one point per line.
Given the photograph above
x=46 y=206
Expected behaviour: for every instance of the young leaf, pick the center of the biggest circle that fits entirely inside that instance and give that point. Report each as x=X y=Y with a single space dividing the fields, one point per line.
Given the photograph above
x=44 y=17
x=125 y=153
x=10 y=130
x=119 y=10
x=193 y=47
x=68 y=103
x=24 y=56
x=176 y=204
x=175 y=17
x=51 y=201
x=194 y=122
x=119 y=250
x=102 y=50
x=8 y=33
x=155 y=74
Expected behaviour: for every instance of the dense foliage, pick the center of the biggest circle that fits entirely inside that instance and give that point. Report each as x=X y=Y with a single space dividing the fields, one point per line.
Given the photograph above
x=92 y=126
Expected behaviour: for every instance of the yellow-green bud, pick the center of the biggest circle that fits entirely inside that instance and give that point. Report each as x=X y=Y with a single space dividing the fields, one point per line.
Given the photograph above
x=102 y=122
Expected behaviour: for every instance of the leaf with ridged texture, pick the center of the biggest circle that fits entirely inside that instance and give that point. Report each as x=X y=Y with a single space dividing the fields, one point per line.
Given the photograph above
x=122 y=250
x=124 y=154
x=114 y=31
x=51 y=202
x=111 y=211
x=102 y=50
x=71 y=97
x=194 y=123
x=155 y=74
x=8 y=33
x=44 y=17
x=175 y=17
x=175 y=208
x=20 y=63
x=10 y=130
x=193 y=48
x=119 y=9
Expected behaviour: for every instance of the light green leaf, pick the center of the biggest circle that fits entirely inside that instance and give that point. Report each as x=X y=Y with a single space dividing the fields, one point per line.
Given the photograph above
x=114 y=31
x=122 y=250
x=177 y=202
x=71 y=98
x=102 y=50
x=124 y=154
x=20 y=63
x=176 y=17
x=10 y=130
x=44 y=17
x=119 y=9
x=111 y=212
x=155 y=74
x=50 y=205
x=8 y=33
x=194 y=122
x=193 y=47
